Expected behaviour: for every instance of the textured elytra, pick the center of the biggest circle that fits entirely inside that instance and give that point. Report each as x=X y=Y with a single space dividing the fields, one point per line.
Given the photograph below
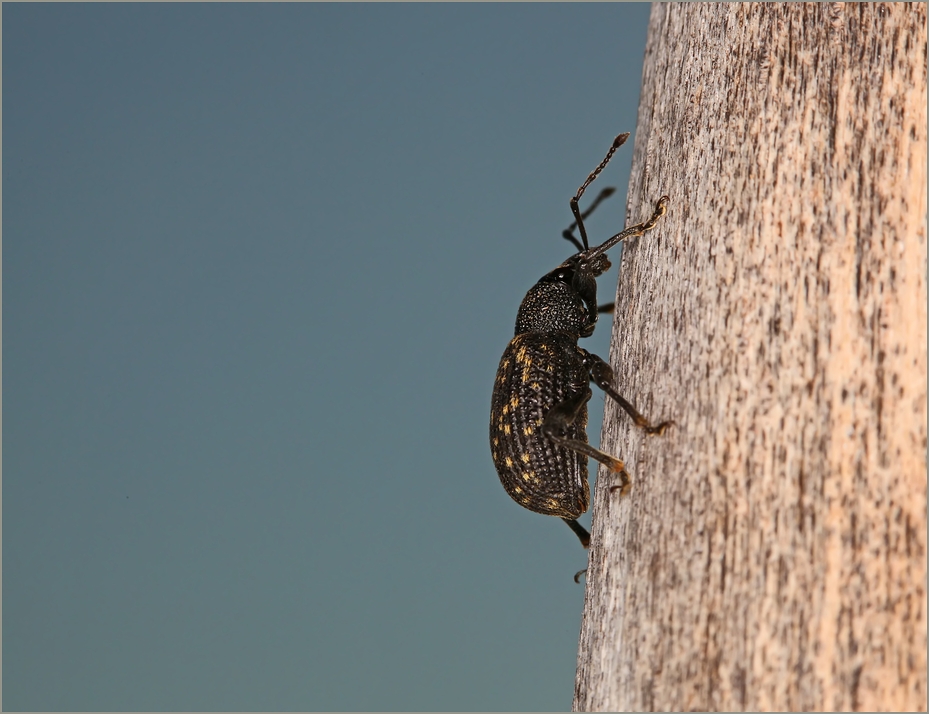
x=538 y=371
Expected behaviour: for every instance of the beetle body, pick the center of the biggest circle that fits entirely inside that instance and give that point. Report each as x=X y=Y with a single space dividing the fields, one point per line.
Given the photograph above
x=537 y=372
x=538 y=418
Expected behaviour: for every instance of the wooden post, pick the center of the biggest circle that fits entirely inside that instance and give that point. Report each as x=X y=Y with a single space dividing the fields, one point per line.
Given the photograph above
x=771 y=554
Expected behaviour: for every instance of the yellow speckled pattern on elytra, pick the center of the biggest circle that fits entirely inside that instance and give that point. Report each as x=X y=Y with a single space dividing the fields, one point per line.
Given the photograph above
x=536 y=373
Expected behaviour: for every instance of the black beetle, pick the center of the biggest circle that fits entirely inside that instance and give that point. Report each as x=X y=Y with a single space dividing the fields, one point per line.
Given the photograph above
x=538 y=414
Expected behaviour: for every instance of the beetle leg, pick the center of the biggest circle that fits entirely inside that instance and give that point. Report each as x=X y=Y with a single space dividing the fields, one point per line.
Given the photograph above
x=602 y=375
x=579 y=530
x=561 y=416
x=609 y=307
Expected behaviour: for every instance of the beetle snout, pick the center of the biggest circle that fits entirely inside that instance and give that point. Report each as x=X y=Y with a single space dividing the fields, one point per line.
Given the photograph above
x=598 y=266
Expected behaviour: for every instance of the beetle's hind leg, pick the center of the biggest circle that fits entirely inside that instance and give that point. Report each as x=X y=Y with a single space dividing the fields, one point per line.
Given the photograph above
x=579 y=531
x=602 y=375
x=563 y=415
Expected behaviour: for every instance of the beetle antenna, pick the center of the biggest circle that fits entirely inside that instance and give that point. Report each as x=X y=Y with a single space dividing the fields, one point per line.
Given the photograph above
x=568 y=233
x=578 y=218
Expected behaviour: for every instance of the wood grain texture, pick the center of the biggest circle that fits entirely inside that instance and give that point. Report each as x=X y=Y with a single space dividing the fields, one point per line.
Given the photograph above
x=772 y=552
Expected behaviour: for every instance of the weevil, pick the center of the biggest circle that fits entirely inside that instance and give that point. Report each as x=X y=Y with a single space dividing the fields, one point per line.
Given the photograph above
x=538 y=414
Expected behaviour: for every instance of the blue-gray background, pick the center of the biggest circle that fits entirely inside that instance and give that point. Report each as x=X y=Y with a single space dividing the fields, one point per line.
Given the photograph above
x=259 y=265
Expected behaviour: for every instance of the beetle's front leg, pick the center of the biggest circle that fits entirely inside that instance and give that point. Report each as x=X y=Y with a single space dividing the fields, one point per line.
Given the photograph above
x=602 y=375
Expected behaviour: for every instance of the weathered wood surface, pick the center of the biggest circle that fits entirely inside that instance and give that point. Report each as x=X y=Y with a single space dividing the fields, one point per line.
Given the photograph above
x=772 y=551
